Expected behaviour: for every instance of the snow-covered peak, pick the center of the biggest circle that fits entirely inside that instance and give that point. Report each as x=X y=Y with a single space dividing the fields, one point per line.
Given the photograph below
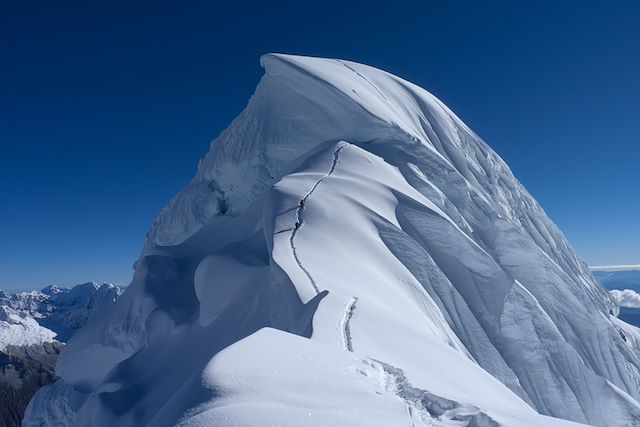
x=54 y=312
x=275 y=129
x=52 y=290
x=350 y=252
x=19 y=329
x=303 y=104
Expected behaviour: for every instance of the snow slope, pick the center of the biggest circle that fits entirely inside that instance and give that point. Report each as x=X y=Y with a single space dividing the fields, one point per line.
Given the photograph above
x=18 y=329
x=350 y=253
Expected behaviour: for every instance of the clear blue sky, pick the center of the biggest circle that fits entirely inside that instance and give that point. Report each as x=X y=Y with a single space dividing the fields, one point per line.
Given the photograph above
x=106 y=109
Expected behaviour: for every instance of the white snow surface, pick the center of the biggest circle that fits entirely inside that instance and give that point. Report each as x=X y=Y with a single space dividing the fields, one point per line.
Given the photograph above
x=350 y=253
x=18 y=329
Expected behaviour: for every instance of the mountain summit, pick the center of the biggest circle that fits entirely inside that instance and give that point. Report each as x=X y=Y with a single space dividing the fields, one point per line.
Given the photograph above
x=349 y=253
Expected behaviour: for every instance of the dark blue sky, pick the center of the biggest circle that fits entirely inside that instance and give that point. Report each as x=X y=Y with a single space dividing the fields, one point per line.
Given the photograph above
x=106 y=109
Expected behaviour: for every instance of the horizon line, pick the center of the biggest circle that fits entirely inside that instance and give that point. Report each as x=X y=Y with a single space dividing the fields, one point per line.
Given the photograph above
x=620 y=267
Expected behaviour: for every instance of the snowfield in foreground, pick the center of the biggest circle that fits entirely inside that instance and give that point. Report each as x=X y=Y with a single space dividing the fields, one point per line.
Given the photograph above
x=351 y=253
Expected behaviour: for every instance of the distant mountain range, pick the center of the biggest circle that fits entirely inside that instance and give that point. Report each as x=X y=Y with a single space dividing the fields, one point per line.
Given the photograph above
x=33 y=329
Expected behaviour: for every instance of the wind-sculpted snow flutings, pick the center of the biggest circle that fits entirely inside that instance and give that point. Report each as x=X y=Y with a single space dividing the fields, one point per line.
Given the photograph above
x=415 y=170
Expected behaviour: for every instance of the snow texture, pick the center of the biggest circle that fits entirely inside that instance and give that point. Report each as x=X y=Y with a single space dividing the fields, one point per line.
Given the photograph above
x=20 y=330
x=349 y=252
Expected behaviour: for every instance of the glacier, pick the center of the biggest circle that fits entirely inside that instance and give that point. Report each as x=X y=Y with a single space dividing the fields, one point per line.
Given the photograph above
x=349 y=252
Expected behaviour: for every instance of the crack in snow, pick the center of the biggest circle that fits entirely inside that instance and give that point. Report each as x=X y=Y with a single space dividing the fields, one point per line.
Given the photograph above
x=347 y=342
x=300 y=214
x=365 y=79
x=425 y=404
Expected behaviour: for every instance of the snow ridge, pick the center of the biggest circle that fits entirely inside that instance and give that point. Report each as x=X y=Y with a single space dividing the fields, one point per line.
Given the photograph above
x=300 y=215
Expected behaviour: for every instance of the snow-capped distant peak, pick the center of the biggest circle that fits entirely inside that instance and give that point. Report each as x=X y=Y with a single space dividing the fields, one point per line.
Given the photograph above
x=54 y=313
x=17 y=328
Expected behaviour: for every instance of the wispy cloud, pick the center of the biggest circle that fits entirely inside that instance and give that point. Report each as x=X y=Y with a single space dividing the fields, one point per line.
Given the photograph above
x=614 y=267
x=626 y=298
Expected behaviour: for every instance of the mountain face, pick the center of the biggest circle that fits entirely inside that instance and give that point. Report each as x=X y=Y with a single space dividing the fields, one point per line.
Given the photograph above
x=349 y=252
x=23 y=370
x=33 y=328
